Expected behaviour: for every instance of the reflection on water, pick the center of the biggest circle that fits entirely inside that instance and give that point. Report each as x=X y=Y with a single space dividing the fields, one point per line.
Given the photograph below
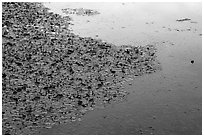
x=131 y=23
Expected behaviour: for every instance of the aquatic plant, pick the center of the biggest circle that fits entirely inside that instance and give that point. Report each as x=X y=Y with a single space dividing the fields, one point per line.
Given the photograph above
x=51 y=76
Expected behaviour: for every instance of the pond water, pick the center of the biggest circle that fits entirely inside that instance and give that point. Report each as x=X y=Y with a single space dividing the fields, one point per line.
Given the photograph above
x=166 y=102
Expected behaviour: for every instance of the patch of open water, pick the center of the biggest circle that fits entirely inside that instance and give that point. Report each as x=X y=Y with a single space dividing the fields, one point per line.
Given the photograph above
x=167 y=102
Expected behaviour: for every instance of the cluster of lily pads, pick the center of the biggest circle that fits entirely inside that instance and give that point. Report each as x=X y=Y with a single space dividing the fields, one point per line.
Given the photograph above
x=51 y=76
x=80 y=11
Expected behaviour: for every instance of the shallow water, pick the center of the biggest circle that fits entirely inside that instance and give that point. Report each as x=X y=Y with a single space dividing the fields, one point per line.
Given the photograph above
x=167 y=102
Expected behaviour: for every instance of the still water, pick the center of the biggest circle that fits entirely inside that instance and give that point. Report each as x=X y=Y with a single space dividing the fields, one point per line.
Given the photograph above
x=167 y=102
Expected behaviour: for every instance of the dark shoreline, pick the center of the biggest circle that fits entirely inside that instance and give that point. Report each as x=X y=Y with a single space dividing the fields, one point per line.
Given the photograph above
x=51 y=76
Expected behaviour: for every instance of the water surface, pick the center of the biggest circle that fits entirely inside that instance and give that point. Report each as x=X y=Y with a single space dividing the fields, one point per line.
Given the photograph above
x=167 y=102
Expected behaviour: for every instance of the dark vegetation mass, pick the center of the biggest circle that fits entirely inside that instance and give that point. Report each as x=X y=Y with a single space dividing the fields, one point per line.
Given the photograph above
x=51 y=76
